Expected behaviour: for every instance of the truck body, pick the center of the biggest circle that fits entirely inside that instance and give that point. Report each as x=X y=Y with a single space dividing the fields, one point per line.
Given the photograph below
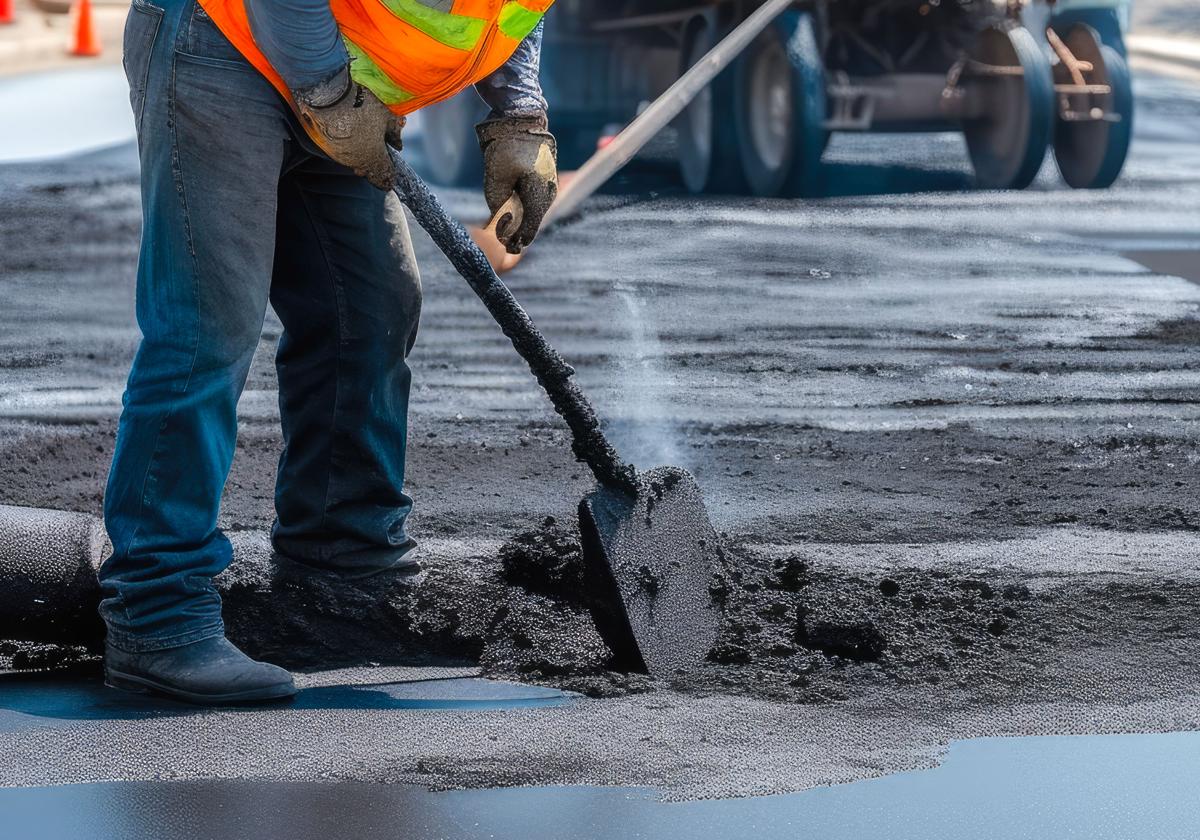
x=1015 y=77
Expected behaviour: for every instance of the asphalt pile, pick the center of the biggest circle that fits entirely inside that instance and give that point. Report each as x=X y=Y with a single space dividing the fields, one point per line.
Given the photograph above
x=792 y=630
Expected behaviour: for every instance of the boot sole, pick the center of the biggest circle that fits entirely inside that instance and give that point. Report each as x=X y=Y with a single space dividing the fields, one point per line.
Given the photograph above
x=135 y=684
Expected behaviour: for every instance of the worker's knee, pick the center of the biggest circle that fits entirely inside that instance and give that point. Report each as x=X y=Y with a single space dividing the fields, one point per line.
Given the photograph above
x=229 y=346
x=387 y=306
x=186 y=338
x=382 y=340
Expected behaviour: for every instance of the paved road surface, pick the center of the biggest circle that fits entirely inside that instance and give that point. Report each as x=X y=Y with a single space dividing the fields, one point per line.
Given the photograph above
x=906 y=376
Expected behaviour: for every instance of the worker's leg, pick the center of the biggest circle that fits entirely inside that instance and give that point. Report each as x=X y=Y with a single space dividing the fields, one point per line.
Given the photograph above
x=212 y=135
x=347 y=291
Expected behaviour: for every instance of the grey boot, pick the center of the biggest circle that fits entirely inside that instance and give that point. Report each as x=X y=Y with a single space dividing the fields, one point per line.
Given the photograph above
x=211 y=671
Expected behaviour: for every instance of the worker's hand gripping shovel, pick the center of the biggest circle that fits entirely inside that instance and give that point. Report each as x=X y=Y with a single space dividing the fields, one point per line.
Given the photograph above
x=650 y=552
x=576 y=187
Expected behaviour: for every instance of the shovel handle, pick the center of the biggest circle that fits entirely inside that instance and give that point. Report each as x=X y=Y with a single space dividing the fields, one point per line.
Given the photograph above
x=548 y=367
x=512 y=210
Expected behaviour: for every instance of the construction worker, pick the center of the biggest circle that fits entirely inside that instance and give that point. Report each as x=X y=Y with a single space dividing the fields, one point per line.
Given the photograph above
x=262 y=129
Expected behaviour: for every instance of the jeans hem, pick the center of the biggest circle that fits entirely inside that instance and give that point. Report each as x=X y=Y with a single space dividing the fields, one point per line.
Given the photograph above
x=349 y=565
x=135 y=643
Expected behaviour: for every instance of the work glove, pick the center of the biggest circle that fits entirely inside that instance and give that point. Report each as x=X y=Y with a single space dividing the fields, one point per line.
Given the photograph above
x=352 y=126
x=519 y=156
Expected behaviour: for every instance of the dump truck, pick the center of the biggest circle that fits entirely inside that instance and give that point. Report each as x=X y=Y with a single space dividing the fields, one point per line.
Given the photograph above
x=1015 y=77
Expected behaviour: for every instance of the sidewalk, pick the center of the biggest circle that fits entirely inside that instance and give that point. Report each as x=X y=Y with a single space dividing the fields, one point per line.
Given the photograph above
x=73 y=109
x=39 y=41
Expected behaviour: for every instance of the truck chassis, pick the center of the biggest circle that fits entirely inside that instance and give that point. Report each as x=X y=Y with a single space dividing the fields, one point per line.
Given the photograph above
x=831 y=65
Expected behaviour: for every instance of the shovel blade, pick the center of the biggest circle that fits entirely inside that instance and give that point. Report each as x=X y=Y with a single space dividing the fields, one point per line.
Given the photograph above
x=651 y=562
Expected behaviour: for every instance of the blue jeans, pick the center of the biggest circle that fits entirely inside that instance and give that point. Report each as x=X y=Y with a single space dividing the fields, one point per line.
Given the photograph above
x=240 y=208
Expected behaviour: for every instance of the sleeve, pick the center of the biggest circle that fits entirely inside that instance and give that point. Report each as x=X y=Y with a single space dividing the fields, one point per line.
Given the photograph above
x=300 y=38
x=515 y=90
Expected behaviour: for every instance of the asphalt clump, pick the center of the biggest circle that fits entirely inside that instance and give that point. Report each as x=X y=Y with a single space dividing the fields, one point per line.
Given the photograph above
x=792 y=630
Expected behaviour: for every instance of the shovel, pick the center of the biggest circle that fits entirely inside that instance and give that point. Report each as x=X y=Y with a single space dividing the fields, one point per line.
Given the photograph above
x=650 y=552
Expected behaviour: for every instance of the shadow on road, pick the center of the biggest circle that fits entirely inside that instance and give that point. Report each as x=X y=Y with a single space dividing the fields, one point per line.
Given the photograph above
x=83 y=698
x=1178 y=263
x=837 y=179
x=857 y=179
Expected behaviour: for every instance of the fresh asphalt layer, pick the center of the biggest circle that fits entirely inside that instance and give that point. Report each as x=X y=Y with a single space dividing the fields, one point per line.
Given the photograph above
x=908 y=379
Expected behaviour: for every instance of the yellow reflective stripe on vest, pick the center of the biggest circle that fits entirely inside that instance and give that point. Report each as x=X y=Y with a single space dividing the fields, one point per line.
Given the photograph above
x=513 y=22
x=516 y=21
x=371 y=76
x=457 y=31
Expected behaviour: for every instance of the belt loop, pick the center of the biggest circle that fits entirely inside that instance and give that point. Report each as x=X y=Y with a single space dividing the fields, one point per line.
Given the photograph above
x=184 y=32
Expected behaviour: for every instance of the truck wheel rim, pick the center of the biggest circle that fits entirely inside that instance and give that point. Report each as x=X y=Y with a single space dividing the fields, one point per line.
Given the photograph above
x=771 y=106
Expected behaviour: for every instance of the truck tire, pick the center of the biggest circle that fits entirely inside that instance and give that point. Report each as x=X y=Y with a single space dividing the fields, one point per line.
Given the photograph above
x=779 y=99
x=806 y=178
x=1091 y=153
x=451 y=149
x=765 y=113
x=708 y=152
x=696 y=125
x=1008 y=144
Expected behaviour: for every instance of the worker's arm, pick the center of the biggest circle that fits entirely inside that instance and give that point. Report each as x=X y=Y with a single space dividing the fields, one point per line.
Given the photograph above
x=519 y=153
x=301 y=40
x=515 y=90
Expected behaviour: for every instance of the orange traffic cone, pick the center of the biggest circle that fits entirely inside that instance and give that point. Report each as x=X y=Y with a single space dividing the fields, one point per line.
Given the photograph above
x=86 y=41
x=6 y=12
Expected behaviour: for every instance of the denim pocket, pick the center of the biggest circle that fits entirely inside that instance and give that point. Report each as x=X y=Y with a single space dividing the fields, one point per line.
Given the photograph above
x=141 y=31
x=205 y=40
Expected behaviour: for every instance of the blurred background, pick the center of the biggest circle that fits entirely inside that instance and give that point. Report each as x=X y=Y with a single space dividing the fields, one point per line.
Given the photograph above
x=829 y=67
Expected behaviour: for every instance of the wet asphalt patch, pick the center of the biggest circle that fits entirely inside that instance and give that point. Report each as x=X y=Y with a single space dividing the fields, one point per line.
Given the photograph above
x=1099 y=787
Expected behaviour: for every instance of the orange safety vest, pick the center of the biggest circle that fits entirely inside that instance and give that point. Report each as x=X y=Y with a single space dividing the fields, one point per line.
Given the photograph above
x=409 y=53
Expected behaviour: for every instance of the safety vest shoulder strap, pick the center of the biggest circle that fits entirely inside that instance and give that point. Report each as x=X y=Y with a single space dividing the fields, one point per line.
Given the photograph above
x=409 y=53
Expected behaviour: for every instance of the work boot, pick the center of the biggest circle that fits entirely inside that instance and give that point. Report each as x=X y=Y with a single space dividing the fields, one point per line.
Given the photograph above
x=208 y=672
